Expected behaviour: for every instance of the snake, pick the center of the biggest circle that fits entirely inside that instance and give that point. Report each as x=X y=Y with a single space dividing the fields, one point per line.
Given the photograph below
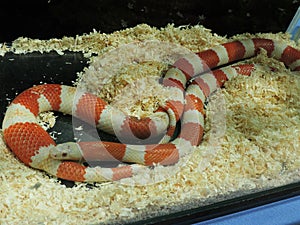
x=194 y=78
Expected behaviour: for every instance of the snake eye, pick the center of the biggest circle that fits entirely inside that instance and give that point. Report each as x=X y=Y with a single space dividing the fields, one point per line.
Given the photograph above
x=64 y=154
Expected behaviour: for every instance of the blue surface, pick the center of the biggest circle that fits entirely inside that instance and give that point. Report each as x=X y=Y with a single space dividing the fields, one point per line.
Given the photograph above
x=277 y=213
x=294 y=27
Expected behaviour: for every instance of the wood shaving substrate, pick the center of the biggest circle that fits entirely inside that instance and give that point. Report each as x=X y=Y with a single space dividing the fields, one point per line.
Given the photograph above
x=258 y=149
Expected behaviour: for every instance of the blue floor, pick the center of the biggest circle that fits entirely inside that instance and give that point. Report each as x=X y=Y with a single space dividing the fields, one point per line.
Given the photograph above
x=278 y=213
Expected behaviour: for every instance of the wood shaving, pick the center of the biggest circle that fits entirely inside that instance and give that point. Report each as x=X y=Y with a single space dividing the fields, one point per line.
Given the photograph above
x=258 y=149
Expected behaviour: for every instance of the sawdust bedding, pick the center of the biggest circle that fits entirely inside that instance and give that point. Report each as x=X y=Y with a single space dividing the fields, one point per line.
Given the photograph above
x=258 y=147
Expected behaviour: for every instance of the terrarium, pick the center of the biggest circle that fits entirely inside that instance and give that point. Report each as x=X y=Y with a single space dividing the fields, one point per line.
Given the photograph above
x=224 y=78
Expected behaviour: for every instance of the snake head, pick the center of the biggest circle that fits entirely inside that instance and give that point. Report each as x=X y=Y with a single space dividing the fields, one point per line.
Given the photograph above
x=66 y=151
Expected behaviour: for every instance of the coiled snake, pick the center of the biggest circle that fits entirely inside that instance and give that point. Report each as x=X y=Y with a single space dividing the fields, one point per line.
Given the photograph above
x=34 y=146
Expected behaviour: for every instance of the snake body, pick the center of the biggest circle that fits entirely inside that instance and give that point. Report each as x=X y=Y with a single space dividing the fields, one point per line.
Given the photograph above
x=34 y=147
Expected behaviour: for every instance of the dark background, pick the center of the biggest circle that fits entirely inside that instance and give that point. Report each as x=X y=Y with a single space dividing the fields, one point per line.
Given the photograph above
x=46 y=19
